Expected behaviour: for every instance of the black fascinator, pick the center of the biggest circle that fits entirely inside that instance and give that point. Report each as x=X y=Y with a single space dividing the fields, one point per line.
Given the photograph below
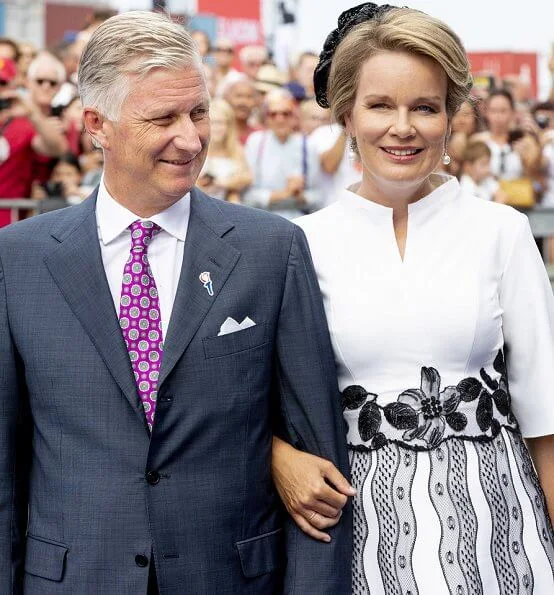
x=347 y=21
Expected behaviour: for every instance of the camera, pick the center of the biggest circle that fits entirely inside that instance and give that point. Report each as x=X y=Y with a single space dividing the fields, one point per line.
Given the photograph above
x=5 y=103
x=515 y=135
x=54 y=189
x=57 y=110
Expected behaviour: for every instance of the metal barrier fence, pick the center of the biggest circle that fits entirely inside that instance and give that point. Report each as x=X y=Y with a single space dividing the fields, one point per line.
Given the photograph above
x=541 y=219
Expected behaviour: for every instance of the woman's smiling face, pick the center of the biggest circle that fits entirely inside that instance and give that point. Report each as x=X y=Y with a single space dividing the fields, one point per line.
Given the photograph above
x=400 y=123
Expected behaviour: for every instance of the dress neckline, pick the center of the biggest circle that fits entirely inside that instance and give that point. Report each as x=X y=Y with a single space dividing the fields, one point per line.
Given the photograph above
x=447 y=191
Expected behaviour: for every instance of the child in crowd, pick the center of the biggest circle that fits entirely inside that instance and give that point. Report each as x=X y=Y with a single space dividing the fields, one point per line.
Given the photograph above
x=476 y=175
x=64 y=182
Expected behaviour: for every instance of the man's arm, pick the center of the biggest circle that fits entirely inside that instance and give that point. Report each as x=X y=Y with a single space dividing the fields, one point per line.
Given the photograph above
x=312 y=419
x=14 y=452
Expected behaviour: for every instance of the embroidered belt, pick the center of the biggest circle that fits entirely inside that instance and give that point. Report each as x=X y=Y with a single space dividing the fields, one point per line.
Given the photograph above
x=422 y=418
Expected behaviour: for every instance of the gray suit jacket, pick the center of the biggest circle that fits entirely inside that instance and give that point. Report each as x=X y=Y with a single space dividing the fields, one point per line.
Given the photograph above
x=86 y=497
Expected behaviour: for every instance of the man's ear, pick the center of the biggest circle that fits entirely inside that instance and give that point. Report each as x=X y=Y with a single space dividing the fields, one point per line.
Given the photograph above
x=95 y=124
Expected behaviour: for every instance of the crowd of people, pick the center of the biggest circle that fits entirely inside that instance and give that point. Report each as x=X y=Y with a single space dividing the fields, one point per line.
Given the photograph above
x=273 y=146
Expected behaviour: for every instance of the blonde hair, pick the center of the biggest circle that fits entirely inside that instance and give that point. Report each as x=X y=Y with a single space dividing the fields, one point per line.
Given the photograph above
x=231 y=144
x=398 y=29
x=131 y=45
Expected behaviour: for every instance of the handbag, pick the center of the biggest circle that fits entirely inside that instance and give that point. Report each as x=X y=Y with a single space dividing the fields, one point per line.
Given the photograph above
x=520 y=192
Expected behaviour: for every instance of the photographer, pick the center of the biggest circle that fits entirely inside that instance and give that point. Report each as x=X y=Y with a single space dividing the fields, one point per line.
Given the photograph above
x=515 y=152
x=24 y=132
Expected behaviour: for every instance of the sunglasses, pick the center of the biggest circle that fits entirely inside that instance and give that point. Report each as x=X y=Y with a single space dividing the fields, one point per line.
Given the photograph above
x=284 y=114
x=50 y=82
x=224 y=50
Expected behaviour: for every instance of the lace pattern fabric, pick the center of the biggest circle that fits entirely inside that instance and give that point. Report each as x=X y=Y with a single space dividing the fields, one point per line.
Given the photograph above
x=422 y=418
x=387 y=445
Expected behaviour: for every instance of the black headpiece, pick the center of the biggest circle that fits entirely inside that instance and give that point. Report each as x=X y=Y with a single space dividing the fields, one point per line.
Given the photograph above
x=347 y=20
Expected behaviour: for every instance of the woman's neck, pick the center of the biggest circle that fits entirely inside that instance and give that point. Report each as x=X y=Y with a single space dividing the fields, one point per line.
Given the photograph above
x=393 y=195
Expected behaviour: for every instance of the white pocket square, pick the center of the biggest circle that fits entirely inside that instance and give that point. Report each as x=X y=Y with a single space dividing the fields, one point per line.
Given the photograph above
x=232 y=326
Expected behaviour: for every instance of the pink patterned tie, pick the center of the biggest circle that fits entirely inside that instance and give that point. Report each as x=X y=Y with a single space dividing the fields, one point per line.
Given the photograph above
x=139 y=317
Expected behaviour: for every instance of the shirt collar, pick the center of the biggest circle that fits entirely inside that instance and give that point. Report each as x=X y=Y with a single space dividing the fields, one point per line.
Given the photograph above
x=113 y=218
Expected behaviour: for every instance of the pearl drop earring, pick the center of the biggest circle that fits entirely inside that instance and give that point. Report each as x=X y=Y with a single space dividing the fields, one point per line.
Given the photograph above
x=446 y=159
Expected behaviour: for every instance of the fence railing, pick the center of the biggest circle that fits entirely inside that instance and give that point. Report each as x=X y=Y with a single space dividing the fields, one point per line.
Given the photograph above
x=541 y=219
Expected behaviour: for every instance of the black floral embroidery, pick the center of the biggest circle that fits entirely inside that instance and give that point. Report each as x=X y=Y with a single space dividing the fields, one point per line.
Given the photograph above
x=424 y=413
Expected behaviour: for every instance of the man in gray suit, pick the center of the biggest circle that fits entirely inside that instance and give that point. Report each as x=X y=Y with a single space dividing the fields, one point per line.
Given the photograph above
x=151 y=341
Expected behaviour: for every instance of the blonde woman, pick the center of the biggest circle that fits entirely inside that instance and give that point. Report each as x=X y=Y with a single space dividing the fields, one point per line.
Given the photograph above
x=442 y=322
x=225 y=173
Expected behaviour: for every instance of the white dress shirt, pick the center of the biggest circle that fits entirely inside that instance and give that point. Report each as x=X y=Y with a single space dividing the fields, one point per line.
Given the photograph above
x=165 y=252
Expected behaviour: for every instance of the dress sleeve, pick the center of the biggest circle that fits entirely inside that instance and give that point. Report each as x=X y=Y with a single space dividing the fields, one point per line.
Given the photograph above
x=527 y=303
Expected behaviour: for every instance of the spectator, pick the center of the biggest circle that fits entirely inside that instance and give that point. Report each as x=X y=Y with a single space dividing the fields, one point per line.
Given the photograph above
x=466 y=119
x=202 y=41
x=543 y=114
x=302 y=81
x=210 y=78
x=69 y=54
x=9 y=49
x=476 y=176
x=269 y=78
x=72 y=124
x=223 y=53
x=336 y=161
x=44 y=80
x=64 y=183
x=312 y=116
x=92 y=166
x=242 y=97
x=251 y=58
x=225 y=173
x=281 y=162
x=27 y=53
x=506 y=163
x=24 y=131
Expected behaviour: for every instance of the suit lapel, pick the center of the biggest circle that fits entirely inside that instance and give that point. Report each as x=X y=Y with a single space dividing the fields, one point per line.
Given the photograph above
x=76 y=267
x=205 y=251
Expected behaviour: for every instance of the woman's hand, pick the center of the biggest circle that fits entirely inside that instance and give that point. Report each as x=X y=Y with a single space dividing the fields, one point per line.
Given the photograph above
x=312 y=489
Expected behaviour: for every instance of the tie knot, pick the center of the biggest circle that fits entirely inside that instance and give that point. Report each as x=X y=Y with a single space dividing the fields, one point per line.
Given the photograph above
x=142 y=233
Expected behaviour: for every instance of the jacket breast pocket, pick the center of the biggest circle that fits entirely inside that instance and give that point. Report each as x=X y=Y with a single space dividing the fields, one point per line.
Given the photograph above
x=45 y=558
x=236 y=342
x=262 y=554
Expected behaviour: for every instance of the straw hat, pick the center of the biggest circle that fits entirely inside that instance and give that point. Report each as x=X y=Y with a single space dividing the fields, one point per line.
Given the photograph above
x=269 y=78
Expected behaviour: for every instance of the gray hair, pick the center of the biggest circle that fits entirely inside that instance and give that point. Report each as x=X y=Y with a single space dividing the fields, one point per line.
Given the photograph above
x=48 y=60
x=129 y=45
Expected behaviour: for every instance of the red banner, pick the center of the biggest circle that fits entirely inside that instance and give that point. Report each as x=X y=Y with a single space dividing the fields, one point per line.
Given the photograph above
x=506 y=64
x=245 y=9
x=238 y=21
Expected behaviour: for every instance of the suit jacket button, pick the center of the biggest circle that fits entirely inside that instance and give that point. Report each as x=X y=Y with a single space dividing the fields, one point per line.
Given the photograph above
x=141 y=560
x=153 y=477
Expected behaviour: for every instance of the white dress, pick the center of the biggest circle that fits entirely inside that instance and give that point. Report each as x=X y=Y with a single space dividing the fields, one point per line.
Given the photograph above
x=448 y=501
